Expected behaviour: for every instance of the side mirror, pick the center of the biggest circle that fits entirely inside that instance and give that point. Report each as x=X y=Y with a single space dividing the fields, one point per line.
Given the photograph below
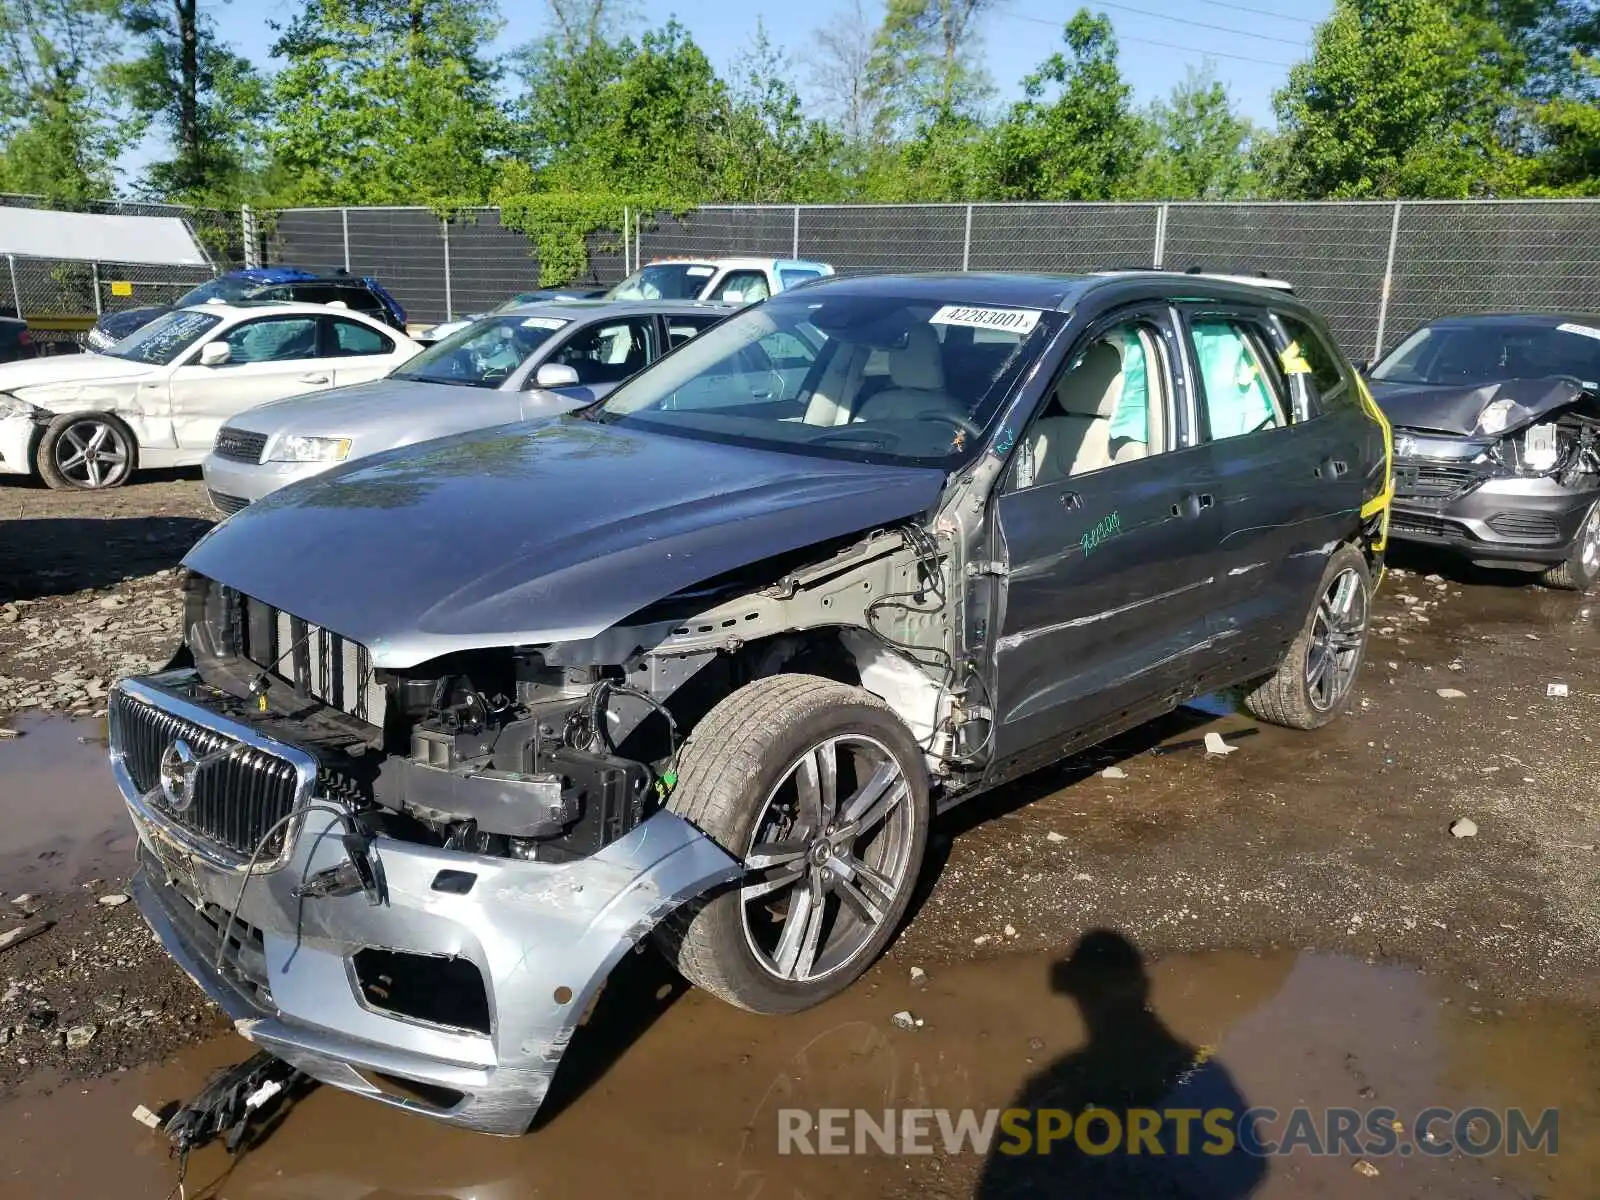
x=555 y=375
x=215 y=354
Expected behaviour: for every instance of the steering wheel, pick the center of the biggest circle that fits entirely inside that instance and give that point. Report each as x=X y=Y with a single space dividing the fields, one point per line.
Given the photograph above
x=954 y=420
x=884 y=438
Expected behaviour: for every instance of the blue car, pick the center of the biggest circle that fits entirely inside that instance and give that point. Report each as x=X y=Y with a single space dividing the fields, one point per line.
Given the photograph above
x=361 y=293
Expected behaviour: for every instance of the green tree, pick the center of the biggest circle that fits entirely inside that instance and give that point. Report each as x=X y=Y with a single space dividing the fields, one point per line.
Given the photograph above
x=209 y=101
x=924 y=67
x=386 y=101
x=764 y=148
x=1073 y=135
x=1400 y=98
x=62 y=117
x=1199 y=148
x=1564 y=110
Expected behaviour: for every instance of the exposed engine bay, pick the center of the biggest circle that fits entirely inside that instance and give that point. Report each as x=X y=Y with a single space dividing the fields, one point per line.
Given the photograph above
x=548 y=753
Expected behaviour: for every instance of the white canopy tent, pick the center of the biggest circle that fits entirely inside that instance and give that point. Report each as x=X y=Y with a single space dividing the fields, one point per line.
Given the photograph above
x=97 y=237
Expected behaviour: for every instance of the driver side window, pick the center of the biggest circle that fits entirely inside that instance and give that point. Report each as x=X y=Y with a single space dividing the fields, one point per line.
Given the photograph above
x=274 y=339
x=1107 y=407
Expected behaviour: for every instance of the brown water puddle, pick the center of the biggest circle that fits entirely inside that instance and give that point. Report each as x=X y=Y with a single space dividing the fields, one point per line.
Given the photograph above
x=685 y=1101
x=61 y=819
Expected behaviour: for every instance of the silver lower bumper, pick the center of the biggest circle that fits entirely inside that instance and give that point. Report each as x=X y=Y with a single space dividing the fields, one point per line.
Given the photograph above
x=544 y=937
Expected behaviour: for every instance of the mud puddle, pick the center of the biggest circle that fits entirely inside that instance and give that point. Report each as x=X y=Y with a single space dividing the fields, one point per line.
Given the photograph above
x=62 y=819
x=679 y=1095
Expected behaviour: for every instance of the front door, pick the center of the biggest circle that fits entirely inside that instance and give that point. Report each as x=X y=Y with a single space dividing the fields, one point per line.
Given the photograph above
x=1109 y=531
x=269 y=358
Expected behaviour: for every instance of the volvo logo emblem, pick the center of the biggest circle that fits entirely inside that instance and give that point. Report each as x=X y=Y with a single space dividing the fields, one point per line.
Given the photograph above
x=178 y=769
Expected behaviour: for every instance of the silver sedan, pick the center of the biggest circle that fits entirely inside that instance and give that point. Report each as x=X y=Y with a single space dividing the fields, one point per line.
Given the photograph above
x=535 y=361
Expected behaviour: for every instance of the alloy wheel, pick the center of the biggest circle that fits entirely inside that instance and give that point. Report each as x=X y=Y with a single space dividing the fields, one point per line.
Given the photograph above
x=829 y=858
x=92 y=453
x=1338 y=631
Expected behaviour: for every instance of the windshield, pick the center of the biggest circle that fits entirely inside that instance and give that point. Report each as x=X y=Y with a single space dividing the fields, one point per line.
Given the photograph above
x=484 y=354
x=664 y=281
x=226 y=288
x=164 y=339
x=886 y=379
x=1485 y=352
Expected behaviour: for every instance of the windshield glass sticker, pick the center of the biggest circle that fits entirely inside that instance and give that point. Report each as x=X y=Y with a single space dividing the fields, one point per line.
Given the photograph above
x=699 y=272
x=1588 y=331
x=543 y=323
x=1013 y=320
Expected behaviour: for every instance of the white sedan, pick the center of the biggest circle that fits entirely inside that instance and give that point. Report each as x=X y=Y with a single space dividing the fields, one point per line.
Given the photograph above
x=158 y=397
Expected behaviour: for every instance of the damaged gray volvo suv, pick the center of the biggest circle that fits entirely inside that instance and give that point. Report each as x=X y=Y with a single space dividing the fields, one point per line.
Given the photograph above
x=455 y=727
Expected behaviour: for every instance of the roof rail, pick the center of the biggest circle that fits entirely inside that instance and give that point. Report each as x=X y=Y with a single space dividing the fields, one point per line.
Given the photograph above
x=1260 y=279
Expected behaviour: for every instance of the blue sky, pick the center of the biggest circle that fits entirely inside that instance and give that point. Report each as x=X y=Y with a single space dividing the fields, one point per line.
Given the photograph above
x=1249 y=43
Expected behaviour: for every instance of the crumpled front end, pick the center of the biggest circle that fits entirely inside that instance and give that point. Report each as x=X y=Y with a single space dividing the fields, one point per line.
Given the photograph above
x=1511 y=485
x=451 y=986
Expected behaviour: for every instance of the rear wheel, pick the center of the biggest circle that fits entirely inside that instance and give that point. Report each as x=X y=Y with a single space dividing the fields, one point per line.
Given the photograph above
x=1314 y=682
x=820 y=791
x=86 y=452
x=1582 y=567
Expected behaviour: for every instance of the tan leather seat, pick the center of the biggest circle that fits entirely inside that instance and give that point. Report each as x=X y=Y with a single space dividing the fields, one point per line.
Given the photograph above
x=1074 y=435
x=916 y=382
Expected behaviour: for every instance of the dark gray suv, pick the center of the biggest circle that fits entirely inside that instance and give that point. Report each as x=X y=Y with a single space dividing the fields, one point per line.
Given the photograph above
x=456 y=726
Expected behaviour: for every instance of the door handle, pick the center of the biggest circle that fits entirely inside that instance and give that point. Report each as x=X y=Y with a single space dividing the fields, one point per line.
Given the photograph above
x=1191 y=505
x=313 y=379
x=1332 y=468
x=1071 y=501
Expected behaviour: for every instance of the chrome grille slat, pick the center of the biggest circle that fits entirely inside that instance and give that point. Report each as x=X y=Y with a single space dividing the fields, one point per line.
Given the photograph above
x=237 y=799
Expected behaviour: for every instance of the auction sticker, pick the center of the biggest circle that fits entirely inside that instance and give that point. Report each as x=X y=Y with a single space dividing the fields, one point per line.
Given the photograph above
x=544 y=323
x=1012 y=320
x=1588 y=331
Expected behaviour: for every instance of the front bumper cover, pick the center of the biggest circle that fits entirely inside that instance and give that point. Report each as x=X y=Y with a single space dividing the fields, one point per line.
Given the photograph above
x=1531 y=520
x=544 y=937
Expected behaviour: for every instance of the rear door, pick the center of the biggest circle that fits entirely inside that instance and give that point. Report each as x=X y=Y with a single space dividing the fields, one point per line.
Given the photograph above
x=1288 y=474
x=1109 y=537
x=354 y=352
x=270 y=357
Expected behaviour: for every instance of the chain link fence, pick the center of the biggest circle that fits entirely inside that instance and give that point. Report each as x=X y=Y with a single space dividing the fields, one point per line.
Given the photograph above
x=1375 y=269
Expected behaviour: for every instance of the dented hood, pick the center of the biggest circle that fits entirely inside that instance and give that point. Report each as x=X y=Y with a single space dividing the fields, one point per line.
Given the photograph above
x=1451 y=408
x=535 y=533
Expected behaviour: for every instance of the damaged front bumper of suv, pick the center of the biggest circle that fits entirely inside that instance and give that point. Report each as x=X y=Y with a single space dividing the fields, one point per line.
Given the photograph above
x=454 y=995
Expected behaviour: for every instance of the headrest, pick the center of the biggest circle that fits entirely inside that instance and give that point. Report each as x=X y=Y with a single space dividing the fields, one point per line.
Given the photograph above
x=918 y=364
x=1093 y=387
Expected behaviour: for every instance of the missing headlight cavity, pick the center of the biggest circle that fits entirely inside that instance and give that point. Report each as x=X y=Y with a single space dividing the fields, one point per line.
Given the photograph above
x=422 y=987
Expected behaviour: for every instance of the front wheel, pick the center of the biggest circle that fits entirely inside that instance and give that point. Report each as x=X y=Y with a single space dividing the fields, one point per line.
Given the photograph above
x=86 y=452
x=1582 y=567
x=821 y=792
x=1314 y=681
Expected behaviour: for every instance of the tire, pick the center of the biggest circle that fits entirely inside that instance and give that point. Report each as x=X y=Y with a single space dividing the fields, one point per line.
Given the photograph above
x=1582 y=567
x=60 y=455
x=1299 y=697
x=739 y=782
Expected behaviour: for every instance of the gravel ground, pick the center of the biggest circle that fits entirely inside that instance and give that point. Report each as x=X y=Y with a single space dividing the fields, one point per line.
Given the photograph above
x=1336 y=841
x=88 y=587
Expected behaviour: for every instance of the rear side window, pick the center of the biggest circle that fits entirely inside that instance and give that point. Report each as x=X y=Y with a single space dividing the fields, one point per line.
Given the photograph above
x=317 y=293
x=789 y=276
x=1309 y=357
x=350 y=338
x=1243 y=389
x=681 y=329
